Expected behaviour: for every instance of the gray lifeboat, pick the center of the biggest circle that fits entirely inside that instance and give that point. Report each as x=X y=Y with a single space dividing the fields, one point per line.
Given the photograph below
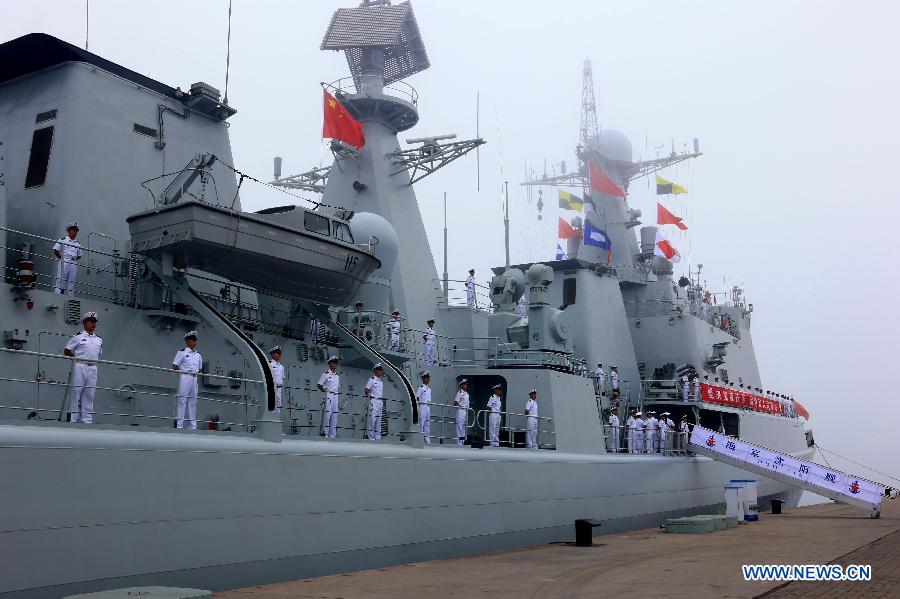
x=286 y=251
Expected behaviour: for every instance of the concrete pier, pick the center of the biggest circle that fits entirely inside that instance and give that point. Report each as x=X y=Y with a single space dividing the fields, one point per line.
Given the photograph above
x=645 y=563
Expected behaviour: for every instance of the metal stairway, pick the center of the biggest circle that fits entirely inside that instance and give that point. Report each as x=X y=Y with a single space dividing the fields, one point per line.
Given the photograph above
x=787 y=469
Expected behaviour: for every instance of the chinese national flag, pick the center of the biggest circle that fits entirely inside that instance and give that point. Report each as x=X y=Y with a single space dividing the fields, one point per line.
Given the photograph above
x=602 y=182
x=338 y=124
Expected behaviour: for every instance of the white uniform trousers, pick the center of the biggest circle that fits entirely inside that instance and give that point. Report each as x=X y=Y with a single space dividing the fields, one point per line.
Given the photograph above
x=531 y=433
x=614 y=438
x=461 y=417
x=638 y=441
x=650 y=441
x=374 y=424
x=329 y=421
x=65 y=277
x=425 y=421
x=395 y=342
x=470 y=299
x=278 y=389
x=81 y=393
x=429 y=352
x=494 y=426
x=187 y=397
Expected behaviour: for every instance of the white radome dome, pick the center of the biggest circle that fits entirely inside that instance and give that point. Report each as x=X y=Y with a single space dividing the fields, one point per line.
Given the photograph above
x=614 y=145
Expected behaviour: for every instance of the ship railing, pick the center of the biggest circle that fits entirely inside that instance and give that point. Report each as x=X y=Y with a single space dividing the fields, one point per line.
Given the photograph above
x=101 y=274
x=53 y=382
x=457 y=295
x=628 y=440
x=347 y=86
x=667 y=390
x=512 y=431
x=679 y=308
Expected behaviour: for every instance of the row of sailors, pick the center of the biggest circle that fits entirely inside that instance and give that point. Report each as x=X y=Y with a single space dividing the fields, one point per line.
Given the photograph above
x=330 y=383
x=86 y=348
x=650 y=435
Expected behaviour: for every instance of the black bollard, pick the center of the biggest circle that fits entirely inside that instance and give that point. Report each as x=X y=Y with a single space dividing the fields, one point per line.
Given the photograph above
x=776 y=506
x=584 y=532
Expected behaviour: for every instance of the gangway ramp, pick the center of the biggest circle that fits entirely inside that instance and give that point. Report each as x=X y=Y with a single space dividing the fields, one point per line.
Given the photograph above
x=787 y=469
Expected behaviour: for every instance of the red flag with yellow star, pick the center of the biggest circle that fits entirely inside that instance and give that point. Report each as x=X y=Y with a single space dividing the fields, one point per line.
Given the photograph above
x=338 y=124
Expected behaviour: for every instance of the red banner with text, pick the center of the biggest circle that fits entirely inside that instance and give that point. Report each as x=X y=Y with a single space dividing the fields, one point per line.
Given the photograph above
x=738 y=399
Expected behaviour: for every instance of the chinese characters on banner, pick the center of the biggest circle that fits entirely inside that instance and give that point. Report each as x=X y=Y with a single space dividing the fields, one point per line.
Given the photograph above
x=788 y=466
x=739 y=399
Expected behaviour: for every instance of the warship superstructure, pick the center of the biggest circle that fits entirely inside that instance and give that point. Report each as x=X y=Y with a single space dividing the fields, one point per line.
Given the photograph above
x=257 y=495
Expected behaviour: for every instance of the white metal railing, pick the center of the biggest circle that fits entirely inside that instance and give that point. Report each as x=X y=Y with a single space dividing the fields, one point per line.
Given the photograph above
x=545 y=432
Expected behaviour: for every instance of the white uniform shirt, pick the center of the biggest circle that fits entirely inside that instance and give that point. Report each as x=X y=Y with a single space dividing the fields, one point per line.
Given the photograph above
x=663 y=428
x=331 y=381
x=495 y=404
x=188 y=361
x=69 y=249
x=375 y=387
x=423 y=395
x=601 y=375
x=614 y=379
x=629 y=422
x=470 y=284
x=532 y=408
x=430 y=335
x=640 y=424
x=277 y=372
x=394 y=327
x=651 y=424
x=85 y=347
x=613 y=420
x=462 y=398
x=684 y=427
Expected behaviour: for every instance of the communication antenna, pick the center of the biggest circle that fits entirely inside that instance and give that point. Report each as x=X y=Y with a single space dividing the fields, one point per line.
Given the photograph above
x=477 y=135
x=227 y=55
x=87 y=22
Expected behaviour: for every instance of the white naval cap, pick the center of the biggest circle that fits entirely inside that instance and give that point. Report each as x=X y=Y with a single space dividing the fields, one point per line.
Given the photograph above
x=396 y=311
x=684 y=417
x=497 y=386
x=533 y=391
x=190 y=334
x=665 y=414
x=72 y=226
x=276 y=348
x=377 y=366
x=424 y=374
x=462 y=381
x=89 y=316
x=333 y=359
x=430 y=319
x=638 y=413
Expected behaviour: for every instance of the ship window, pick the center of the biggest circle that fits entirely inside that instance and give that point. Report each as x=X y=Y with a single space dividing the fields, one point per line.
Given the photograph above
x=149 y=131
x=41 y=141
x=48 y=115
x=315 y=223
x=569 y=291
x=341 y=231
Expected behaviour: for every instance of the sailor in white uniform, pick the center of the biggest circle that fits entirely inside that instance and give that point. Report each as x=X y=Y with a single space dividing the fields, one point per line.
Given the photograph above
x=423 y=397
x=461 y=402
x=695 y=382
x=188 y=362
x=375 y=392
x=531 y=417
x=685 y=431
x=470 y=289
x=651 y=436
x=630 y=423
x=68 y=251
x=86 y=347
x=522 y=306
x=613 y=435
x=495 y=405
x=330 y=384
x=640 y=426
x=685 y=387
x=277 y=369
x=394 y=330
x=601 y=379
x=430 y=339
x=664 y=433
x=614 y=381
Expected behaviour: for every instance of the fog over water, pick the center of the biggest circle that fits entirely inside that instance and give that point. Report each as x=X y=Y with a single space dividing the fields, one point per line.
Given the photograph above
x=795 y=105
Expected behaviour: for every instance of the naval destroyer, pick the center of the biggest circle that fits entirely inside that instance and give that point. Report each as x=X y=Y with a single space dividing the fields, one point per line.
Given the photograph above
x=257 y=494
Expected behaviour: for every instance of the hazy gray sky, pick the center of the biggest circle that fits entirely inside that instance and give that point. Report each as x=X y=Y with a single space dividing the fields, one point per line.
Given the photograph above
x=795 y=104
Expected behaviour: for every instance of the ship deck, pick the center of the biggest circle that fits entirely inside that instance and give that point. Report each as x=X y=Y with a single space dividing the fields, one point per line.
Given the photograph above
x=644 y=563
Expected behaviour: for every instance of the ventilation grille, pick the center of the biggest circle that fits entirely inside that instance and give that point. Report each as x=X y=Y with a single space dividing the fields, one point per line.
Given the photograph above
x=73 y=311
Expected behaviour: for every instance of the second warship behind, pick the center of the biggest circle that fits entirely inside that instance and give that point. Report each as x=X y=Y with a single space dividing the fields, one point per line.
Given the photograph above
x=258 y=495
